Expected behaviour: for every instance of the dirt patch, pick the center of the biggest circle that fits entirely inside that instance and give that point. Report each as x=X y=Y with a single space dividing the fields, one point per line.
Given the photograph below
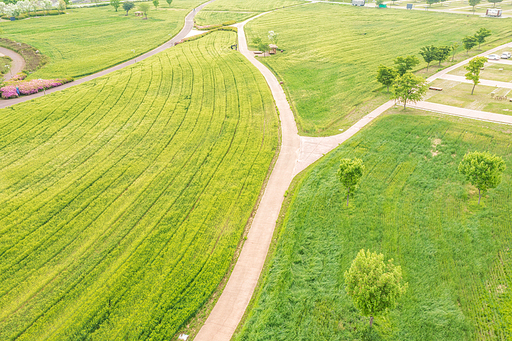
x=435 y=143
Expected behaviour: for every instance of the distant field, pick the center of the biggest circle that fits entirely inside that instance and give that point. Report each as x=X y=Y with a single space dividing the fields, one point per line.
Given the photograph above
x=87 y=40
x=332 y=53
x=412 y=206
x=219 y=17
x=123 y=199
x=251 y=5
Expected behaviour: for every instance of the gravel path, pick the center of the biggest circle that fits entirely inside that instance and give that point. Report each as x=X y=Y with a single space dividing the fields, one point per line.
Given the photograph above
x=189 y=24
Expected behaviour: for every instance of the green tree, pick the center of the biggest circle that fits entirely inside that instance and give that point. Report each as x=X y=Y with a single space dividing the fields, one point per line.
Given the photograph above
x=431 y=2
x=127 y=6
x=474 y=3
x=144 y=8
x=350 y=173
x=494 y=2
x=386 y=75
x=115 y=4
x=469 y=42
x=169 y=2
x=374 y=285
x=454 y=48
x=263 y=47
x=404 y=64
x=429 y=54
x=483 y=170
x=62 y=6
x=443 y=52
x=481 y=34
x=409 y=88
x=379 y=2
x=156 y=3
x=473 y=69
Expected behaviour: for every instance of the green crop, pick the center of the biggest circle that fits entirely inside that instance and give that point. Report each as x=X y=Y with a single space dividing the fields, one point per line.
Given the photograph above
x=123 y=199
x=413 y=206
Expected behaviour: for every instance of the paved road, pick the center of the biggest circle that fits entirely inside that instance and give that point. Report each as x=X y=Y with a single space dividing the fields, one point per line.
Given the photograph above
x=17 y=65
x=189 y=24
x=230 y=307
x=461 y=112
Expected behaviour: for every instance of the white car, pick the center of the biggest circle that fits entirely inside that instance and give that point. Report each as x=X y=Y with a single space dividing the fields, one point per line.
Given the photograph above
x=506 y=55
x=493 y=57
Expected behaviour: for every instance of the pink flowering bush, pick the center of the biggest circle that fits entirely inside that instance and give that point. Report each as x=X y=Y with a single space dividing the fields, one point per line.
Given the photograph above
x=30 y=87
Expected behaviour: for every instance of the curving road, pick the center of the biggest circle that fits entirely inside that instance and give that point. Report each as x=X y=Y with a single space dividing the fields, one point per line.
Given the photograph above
x=189 y=24
x=18 y=63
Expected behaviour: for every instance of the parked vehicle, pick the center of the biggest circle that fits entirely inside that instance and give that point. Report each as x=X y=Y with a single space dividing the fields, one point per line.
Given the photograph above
x=506 y=55
x=493 y=57
x=358 y=2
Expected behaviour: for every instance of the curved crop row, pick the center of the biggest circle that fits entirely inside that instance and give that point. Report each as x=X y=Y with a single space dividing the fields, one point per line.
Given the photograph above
x=123 y=199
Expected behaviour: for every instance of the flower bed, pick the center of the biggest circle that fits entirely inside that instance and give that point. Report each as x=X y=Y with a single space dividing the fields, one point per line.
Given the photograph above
x=30 y=87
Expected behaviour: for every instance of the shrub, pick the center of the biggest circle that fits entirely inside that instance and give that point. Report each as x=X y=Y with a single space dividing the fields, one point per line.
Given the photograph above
x=230 y=22
x=31 y=87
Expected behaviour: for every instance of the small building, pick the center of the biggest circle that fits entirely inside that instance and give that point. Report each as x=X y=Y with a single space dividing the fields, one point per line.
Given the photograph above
x=493 y=12
x=273 y=48
x=358 y=2
x=139 y=14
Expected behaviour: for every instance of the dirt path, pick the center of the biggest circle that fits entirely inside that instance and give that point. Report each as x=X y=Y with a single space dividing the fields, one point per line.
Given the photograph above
x=189 y=24
x=18 y=63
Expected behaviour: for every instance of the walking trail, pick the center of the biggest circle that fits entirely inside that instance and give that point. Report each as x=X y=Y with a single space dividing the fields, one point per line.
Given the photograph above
x=17 y=65
x=189 y=24
x=296 y=153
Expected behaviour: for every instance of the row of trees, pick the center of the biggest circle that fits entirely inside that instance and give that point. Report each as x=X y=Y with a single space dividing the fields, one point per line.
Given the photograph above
x=128 y=5
x=26 y=6
x=468 y=42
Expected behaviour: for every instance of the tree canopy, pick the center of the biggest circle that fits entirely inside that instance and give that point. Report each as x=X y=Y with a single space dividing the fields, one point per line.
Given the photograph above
x=429 y=54
x=469 y=42
x=386 y=75
x=115 y=4
x=404 y=64
x=481 y=34
x=127 y=6
x=375 y=286
x=473 y=3
x=482 y=170
x=473 y=69
x=349 y=173
x=409 y=88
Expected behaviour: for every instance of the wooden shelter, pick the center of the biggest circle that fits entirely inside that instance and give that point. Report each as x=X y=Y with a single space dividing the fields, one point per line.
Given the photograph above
x=139 y=14
x=273 y=48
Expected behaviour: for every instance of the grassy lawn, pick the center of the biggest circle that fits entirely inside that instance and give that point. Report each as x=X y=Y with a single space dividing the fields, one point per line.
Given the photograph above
x=219 y=17
x=412 y=206
x=332 y=53
x=491 y=71
x=250 y=5
x=87 y=40
x=123 y=199
x=5 y=64
x=459 y=95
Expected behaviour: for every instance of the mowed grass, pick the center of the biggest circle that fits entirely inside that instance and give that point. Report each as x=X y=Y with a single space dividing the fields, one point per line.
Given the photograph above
x=412 y=206
x=123 y=199
x=88 y=40
x=332 y=53
x=219 y=17
x=459 y=95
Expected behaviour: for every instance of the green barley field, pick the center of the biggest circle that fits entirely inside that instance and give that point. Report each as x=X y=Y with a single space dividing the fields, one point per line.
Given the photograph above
x=123 y=199
x=251 y=5
x=331 y=54
x=412 y=206
x=88 y=40
x=219 y=17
